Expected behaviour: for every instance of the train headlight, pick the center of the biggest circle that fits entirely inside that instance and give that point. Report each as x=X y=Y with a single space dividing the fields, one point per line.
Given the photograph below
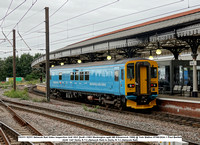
x=131 y=85
x=153 y=85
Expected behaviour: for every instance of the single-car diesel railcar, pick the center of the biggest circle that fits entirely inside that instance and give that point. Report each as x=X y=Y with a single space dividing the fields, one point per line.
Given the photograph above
x=123 y=83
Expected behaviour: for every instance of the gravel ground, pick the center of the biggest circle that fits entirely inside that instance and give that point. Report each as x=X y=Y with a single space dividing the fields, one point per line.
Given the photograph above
x=55 y=128
x=81 y=121
x=6 y=117
x=159 y=127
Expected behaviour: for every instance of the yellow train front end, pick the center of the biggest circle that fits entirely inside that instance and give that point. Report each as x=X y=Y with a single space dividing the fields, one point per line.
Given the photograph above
x=141 y=84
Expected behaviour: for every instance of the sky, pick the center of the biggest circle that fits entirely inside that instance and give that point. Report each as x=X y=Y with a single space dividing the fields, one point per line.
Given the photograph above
x=72 y=21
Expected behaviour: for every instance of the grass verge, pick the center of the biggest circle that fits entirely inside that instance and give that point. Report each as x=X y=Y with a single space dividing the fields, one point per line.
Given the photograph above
x=23 y=95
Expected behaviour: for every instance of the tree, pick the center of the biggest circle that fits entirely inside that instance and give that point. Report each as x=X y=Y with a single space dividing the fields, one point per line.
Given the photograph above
x=24 y=65
x=2 y=70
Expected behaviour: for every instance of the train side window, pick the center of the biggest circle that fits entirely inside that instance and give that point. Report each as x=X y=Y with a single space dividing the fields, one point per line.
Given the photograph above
x=60 y=76
x=116 y=75
x=122 y=74
x=130 y=71
x=81 y=76
x=72 y=76
x=87 y=75
x=153 y=72
x=76 y=75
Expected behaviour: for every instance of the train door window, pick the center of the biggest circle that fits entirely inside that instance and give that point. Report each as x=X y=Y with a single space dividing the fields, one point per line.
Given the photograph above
x=130 y=71
x=153 y=72
x=60 y=76
x=116 y=75
x=76 y=75
x=72 y=76
x=81 y=76
x=87 y=75
x=122 y=74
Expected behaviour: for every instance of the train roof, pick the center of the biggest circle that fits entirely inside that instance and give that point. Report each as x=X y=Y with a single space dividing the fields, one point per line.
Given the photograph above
x=97 y=63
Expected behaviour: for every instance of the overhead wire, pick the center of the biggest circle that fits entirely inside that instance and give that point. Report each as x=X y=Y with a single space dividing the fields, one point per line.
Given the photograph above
x=23 y=40
x=6 y=38
x=13 y=10
x=110 y=19
x=59 y=8
x=74 y=16
x=123 y=23
x=6 y=12
x=64 y=39
x=50 y=16
x=24 y=15
x=119 y=17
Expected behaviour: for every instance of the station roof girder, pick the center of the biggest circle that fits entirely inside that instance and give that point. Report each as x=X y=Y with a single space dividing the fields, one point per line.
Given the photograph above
x=167 y=28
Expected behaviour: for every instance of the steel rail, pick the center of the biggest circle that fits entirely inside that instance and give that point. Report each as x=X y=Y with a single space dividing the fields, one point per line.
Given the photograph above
x=11 y=133
x=141 y=132
x=119 y=126
x=155 y=115
x=5 y=139
x=22 y=121
x=167 y=117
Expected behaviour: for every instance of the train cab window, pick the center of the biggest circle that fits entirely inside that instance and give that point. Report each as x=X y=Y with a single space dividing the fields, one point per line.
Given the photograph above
x=122 y=74
x=87 y=75
x=76 y=75
x=130 y=71
x=81 y=76
x=153 y=72
x=116 y=75
x=72 y=76
x=60 y=76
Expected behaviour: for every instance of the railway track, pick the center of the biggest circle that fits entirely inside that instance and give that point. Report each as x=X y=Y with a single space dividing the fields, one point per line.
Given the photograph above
x=162 y=116
x=181 y=120
x=10 y=135
x=60 y=115
x=65 y=114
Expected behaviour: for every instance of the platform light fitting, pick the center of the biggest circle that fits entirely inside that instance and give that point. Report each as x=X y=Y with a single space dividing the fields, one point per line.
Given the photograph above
x=79 y=61
x=61 y=63
x=151 y=57
x=109 y=57
x=52 y=65
x=158 y=51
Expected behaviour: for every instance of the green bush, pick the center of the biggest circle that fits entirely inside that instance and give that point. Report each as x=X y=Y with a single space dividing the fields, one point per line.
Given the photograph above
x=23 y=95
x=33 y=82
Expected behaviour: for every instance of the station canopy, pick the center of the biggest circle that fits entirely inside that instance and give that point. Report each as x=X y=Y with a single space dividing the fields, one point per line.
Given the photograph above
x=165 y=33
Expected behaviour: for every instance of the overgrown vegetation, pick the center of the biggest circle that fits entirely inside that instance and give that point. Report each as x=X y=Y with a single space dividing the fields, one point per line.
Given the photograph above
x=5 y=85
x=23 y=67
x=95 y=109
x=23 y=95
x=39 y=100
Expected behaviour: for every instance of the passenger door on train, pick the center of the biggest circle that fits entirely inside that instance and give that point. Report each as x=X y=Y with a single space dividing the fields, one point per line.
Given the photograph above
x=122 y=81
x=116 y=87
x=143 y=78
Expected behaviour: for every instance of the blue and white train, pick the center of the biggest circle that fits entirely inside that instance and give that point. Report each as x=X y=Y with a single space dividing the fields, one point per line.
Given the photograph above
x=123 y=83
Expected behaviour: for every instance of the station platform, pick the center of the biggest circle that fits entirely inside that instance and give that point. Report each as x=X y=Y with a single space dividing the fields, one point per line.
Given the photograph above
x=176 y=104
x=181 y=105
